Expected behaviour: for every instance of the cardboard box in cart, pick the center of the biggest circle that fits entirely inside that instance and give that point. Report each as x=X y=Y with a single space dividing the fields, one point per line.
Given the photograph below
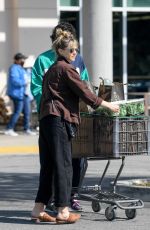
x=112 y=137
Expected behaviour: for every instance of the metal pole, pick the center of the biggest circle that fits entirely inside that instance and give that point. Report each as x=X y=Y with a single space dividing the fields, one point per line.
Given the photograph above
x=80 y=26
x=124 y=48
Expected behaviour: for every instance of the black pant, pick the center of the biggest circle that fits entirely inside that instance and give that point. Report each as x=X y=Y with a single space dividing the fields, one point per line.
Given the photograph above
x=76 y=164
x=56 y=162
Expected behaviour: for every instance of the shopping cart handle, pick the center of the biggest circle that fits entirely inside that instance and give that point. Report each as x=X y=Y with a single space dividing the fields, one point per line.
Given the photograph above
x=139 y=204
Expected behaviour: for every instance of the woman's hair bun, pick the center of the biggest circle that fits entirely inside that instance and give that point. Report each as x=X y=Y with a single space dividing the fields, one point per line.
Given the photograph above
x=61 y=33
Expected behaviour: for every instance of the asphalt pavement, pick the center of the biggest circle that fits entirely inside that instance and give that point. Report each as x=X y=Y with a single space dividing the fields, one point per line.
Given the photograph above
x=19 y=172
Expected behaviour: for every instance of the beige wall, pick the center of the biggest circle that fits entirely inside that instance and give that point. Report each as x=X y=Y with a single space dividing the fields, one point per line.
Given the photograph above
x=34 y=35
x=25 y=26
x=30 y=37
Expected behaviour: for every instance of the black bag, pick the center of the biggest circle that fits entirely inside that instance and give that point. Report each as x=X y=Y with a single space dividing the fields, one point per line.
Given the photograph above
x=71 y=129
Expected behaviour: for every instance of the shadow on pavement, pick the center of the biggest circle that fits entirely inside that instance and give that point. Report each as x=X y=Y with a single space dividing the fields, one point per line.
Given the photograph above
x=23 y=217
x=18 y=186
x=23 y=186
x=17 y=217
x=14 y=217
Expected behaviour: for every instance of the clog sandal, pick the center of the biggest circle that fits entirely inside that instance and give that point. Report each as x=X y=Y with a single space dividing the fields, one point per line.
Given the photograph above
x=73 y=217
x=44 y=217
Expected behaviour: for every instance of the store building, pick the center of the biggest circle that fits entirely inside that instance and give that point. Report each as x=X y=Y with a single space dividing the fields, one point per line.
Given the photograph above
x=114 y=35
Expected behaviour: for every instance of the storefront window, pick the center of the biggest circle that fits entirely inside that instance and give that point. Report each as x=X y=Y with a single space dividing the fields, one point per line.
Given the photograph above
x=71 y=17
x=69 y=2
x=117 y=46
x=138 y=3
x=132 y=3
x=117 y=3
x=139 y=44
x=139 y=50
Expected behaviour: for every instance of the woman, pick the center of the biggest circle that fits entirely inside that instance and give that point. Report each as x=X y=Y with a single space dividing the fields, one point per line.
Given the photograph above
x=16 y=90
x=59 y=108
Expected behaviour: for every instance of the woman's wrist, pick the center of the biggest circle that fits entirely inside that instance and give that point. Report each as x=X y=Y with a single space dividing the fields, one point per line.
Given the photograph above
x=105 y=104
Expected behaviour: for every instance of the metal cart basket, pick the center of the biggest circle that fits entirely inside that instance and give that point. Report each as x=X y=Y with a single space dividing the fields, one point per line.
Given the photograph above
x=107 y=138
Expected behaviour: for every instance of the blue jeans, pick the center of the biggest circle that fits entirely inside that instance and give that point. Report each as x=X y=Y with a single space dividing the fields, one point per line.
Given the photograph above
x=19 y=107
x=26 y=112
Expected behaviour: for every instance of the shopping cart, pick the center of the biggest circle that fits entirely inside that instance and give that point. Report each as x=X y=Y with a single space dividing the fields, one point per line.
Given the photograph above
x=110 y=138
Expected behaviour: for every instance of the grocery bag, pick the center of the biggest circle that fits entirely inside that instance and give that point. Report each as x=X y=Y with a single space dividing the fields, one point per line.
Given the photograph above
x=111 y=92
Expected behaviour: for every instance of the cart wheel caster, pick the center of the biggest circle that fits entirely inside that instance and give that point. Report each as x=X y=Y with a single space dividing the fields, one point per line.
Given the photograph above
x=110 y=213
x=96 y=206
x=130 y=213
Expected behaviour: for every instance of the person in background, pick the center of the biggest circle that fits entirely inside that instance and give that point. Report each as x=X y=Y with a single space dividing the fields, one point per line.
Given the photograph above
x=42 y=64
x=59 y=108
x=28 y=95
x=17 y=91
x=28 y=64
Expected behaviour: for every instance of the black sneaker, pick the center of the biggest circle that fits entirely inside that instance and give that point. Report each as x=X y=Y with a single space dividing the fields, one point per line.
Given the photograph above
x=51 y=207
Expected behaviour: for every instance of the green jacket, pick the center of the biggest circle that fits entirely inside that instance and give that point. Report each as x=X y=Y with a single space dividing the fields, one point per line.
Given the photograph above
x=42 y=64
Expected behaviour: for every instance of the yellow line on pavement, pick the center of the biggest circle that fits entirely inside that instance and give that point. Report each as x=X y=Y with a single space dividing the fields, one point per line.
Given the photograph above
x=19 y=150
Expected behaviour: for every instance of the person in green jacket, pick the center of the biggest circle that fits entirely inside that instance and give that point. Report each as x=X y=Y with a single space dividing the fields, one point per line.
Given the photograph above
x=42 y=64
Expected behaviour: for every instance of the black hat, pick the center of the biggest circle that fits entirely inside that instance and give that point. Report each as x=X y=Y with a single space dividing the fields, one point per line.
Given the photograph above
x=19 y=56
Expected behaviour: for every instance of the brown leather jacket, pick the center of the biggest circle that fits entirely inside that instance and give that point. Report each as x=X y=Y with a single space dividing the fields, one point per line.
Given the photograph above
x=61 y=91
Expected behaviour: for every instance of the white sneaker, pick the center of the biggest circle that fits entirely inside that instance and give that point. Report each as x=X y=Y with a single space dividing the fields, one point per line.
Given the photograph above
x=11 y=132
x=29 y=132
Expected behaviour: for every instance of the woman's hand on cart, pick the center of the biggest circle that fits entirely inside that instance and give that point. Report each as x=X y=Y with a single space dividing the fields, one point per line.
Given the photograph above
x=113 y=107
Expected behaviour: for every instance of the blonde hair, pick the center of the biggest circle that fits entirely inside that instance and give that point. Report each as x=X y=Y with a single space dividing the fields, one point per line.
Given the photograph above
x=63 y=39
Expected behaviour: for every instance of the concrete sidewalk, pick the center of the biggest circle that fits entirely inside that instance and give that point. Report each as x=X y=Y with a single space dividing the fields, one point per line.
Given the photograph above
x=22 y=144
x=19 y=174
x=18 y=187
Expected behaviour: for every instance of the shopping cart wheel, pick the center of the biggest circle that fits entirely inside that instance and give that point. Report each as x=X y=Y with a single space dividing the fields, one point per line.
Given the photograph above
x=110 y=213
x=130 y=213
x=96 y=206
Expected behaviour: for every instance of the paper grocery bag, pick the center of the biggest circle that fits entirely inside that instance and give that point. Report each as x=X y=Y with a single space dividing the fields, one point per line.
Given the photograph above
x=114 y=92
